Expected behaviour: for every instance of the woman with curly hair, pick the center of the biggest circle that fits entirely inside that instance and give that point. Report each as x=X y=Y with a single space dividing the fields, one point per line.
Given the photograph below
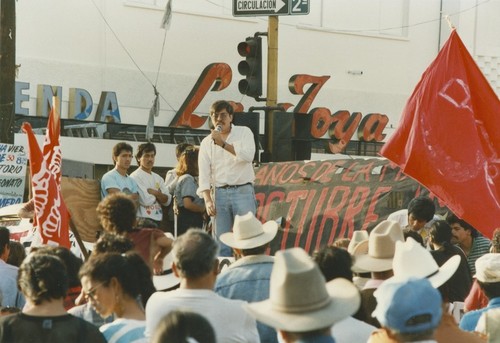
x=44 y=282
x=190 y=207
x=117 y=215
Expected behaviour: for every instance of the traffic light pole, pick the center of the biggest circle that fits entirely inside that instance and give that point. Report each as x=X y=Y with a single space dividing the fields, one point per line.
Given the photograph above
x=272 y=85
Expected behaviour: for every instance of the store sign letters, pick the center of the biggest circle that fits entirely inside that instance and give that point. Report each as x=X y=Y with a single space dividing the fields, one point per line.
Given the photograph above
x=340 y=126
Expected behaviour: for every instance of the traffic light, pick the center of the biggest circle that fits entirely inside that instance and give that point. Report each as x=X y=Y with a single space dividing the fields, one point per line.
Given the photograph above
x=251 y=67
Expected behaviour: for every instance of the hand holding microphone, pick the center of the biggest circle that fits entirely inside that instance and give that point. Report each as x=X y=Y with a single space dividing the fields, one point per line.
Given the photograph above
x=216 y=135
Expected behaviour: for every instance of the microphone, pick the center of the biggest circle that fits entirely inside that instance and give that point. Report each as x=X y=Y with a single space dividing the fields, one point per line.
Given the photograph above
x=218 y=128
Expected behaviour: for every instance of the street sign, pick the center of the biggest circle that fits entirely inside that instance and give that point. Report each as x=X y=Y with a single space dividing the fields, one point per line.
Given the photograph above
x=249 y=8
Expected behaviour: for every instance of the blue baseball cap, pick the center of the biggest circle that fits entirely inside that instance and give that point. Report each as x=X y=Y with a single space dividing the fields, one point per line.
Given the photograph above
x=408 y=306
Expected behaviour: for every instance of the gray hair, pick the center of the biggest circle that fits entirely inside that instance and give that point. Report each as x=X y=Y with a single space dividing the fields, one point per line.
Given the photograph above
x=195 y=253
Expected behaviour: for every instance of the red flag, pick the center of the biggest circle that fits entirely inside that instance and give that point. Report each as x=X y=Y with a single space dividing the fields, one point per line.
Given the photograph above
x=448 y=137
x=52 y=217
x=51 y=147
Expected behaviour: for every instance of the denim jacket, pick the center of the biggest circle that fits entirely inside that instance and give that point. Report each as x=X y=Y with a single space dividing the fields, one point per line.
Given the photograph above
x=248 y=279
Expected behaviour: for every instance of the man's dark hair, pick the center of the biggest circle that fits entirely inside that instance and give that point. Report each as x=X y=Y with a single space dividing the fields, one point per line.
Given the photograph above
x=334 y=262
x=195 y=253
x=453 y=219
x=221 y=105
x=42 y=277
x=144 y=148
x=4 y=238
x=118 y=148
x=422 y=208
x=255 y=251
x=490 y=289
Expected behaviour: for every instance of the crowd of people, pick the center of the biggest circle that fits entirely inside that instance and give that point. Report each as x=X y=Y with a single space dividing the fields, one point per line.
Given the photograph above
x=416 y=277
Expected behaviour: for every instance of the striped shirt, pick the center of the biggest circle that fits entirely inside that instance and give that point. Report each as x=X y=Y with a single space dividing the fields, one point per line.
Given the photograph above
x=480 y=246
x=124 y=331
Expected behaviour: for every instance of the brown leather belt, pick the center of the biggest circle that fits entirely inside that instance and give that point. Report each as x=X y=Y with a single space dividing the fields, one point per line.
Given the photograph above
x=235 y=186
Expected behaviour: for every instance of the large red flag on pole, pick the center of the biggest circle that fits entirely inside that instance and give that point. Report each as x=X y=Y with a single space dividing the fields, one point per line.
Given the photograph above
x=448 y=137
x=51 y=214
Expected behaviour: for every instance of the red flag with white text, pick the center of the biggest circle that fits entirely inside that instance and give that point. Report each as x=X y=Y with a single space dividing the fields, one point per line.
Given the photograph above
x=52 y=216
x=448 y=137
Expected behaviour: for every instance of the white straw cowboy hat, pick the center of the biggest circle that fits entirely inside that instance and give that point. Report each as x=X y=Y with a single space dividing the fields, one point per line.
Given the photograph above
x=411 y=259
x=381 y=247
x=360 y=249
x=249 y=232
x=167 y=279
x=358 y=236
x=300 y=300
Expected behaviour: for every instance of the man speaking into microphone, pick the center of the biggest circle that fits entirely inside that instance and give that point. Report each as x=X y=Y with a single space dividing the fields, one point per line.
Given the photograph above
x=226 y=172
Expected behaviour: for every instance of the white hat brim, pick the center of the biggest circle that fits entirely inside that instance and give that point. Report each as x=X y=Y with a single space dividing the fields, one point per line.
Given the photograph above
x=372 y=264
x=444 y=273
x=163 y=282
x=345 y=301
x=270 y=229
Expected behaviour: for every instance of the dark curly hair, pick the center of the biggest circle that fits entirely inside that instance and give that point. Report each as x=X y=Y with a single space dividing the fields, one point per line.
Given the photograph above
x=117 y=213
x=110 y=242
x=42 y=277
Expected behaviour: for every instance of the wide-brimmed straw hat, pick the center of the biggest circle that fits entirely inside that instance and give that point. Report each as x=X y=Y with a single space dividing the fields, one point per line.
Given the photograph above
x=300 y=300
x=381 y=247
x=249 y=232
x=167 y=279
x=411 y=259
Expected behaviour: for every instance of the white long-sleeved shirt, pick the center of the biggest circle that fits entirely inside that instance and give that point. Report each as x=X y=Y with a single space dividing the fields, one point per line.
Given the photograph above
x=223 y=168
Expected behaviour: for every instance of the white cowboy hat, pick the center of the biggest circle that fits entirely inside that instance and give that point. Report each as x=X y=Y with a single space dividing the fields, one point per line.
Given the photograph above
x=300 y=300
x=358 y=236
x=411 y=259
x=381 y=247
x=167 y=279
x=360 y=249
x=249 y=232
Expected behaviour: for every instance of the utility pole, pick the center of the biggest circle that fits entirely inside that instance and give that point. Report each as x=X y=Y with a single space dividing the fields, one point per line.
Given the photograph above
x=272 y=86
x=7 y=69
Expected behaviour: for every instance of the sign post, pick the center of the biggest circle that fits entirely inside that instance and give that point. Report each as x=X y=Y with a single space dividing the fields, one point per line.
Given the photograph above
x=249 y=8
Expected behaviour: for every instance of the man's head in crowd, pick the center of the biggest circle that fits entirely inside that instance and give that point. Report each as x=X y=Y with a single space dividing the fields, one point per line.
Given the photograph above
x=122 y=155
x=461 y=230
x=488 y=274
x=195 y=255
x=421 y=210
x=145 y=156
x=4 y=243
x=410 y=309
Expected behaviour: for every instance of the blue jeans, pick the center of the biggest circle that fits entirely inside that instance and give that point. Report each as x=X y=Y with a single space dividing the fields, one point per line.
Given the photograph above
x=230 y=202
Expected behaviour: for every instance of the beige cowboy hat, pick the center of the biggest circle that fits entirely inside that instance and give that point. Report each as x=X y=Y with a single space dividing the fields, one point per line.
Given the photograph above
x=300 y=300
x=411 y=259
x=249 y=232
x=167 y=279
x=381 y=247
x=359 y=250
x=358 y=236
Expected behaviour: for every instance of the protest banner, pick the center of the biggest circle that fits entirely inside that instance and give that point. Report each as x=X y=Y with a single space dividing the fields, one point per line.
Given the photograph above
x=13 y=161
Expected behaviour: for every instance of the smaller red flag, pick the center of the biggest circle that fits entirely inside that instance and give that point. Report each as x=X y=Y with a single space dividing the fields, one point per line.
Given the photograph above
x=448 y=138
x=52 y=216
